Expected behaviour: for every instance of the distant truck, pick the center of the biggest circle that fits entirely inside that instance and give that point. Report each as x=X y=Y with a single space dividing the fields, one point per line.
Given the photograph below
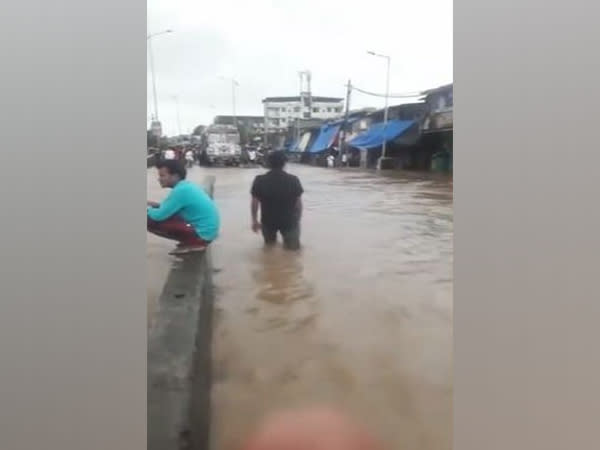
x=222 y=145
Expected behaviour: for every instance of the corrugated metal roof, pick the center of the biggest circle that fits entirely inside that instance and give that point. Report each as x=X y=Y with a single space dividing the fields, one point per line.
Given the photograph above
x=437 y=89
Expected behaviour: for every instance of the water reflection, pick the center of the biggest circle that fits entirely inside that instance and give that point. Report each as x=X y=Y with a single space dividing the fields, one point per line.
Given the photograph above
x=280 y=284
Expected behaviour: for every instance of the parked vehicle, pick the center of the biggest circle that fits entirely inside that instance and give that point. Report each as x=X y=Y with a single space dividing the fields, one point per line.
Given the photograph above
x=222 y=145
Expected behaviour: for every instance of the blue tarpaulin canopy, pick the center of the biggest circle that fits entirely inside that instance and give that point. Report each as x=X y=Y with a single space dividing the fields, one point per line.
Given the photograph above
x=325 y=138
x=292 y=146
x=304 y=141
x=375 y=135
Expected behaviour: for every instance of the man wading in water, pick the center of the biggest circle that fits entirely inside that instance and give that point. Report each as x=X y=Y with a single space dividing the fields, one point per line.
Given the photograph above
x=188 y=215
x=279 y=196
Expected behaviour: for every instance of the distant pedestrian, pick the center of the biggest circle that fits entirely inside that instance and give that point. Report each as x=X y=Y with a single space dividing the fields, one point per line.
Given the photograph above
x=330 y=161
x=252 y=155
x=189 y=159
x=278 y=195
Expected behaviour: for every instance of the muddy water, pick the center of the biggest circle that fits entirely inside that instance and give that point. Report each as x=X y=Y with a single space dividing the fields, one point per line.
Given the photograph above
x=361 y=318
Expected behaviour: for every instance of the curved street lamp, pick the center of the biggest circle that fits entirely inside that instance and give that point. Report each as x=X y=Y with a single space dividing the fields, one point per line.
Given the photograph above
x=387 y=94
x=149 y=40
x=234 y=83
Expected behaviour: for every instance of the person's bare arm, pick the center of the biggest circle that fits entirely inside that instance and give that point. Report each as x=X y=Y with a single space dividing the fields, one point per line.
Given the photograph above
x=254 y=205
x=299 y=207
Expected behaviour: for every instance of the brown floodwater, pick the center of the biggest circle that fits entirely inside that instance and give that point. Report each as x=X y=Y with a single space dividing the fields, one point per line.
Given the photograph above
x=361 y=318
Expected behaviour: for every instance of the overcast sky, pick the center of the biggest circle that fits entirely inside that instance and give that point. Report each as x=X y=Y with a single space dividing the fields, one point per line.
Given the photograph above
x=264 y=43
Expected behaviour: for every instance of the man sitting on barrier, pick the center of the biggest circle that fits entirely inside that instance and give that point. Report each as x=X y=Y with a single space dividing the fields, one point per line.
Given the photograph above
x=188 y=214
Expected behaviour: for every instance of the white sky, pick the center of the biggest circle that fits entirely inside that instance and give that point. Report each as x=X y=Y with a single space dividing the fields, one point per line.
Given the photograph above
x=264 y=43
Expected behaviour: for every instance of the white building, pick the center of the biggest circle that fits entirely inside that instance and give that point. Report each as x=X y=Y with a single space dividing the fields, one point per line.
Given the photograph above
x=281 y=112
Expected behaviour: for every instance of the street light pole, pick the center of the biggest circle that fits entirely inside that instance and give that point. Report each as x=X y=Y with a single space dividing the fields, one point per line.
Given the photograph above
x=149 y=39
x=387 y=95
x=153 y=78
x=385 y=112
x=177 y=111
x=234 y=83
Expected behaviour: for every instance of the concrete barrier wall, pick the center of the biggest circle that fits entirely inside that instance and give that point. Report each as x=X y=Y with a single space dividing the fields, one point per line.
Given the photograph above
x=179 y=356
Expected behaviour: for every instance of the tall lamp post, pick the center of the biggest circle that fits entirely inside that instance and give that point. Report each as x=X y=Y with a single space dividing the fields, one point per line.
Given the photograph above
x=176 y=100
x=149 y=40
x=234 y=84
x=385 y=111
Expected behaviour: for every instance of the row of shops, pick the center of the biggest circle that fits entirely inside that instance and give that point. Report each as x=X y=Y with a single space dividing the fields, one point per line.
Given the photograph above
x=417 y=136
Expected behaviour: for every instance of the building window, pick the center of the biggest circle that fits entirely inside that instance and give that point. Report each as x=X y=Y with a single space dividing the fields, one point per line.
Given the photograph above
x=282 y=109
x=297 y=109
x=338 y=109
x=328 y=109
x=315 y=110
x=306 y=115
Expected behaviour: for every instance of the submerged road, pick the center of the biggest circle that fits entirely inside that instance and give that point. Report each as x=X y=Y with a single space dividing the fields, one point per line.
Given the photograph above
x=361 y=318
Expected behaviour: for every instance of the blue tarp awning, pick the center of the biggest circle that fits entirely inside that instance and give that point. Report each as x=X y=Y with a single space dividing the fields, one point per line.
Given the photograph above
x=292 y=146
x=327 y=134
x=375 y=135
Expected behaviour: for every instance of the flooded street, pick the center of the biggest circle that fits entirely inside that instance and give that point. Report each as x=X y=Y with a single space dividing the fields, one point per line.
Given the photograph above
x=361 y=318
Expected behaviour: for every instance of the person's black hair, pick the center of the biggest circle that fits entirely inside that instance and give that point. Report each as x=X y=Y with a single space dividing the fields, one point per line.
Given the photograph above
x=277 y=159
x=174 y=167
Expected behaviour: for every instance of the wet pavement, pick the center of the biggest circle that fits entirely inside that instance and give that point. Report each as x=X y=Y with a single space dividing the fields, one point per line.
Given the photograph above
x=361 y=318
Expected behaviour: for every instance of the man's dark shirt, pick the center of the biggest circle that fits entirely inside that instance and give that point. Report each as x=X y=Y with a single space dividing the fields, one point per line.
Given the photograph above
x=278 y=193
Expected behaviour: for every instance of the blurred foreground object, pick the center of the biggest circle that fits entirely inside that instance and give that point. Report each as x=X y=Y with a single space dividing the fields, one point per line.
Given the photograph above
x=311 y=429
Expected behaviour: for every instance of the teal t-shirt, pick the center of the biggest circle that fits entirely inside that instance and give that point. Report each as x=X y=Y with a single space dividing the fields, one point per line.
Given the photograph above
x=194 y=205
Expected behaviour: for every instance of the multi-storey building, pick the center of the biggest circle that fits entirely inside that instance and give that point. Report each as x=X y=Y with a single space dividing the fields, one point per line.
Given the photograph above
x=282 y=112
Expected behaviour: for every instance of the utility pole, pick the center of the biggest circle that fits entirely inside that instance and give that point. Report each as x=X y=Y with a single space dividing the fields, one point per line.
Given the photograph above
x=344 y=127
